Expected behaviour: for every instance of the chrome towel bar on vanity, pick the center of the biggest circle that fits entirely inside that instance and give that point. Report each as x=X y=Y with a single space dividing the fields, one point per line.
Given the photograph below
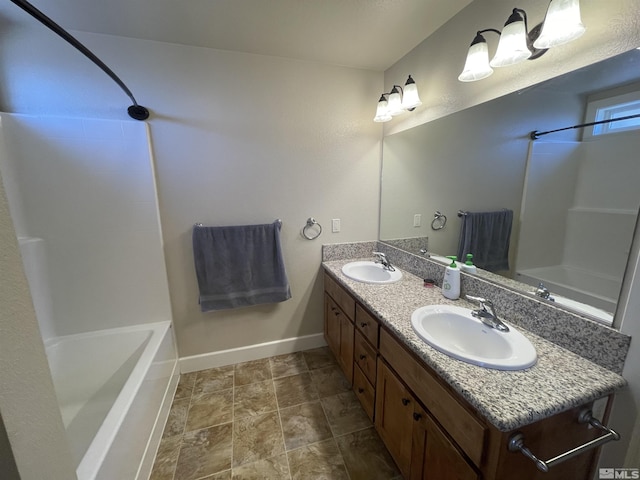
x=516 y=443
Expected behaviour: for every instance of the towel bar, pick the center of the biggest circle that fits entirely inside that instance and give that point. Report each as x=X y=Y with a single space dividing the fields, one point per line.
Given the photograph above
x=200 y=225
x=516 y=443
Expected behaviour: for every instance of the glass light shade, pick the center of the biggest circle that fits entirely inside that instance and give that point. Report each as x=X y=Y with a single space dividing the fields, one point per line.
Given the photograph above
x=477 y=65
x=512 y=47
x=410 y=98
x=382 y=112
x=395 y=103
x=562 y=24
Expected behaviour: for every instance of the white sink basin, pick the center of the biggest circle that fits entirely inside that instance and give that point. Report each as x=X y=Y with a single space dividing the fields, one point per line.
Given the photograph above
x=454 y=331
x=367 y=271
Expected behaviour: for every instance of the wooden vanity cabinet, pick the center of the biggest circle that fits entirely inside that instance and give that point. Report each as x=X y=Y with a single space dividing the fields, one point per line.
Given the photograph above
x=418 y=445
x=432 y=432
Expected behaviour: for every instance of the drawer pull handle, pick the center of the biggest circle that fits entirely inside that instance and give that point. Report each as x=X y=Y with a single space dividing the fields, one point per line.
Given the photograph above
x=405 y=401
x=360 y=390
x=363 y=324
x=362 y=356
x=516 y=443
x=417 y=416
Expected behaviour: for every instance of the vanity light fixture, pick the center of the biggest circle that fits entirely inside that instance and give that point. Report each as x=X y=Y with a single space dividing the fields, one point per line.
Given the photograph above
x=561 y=25
x=398 y=101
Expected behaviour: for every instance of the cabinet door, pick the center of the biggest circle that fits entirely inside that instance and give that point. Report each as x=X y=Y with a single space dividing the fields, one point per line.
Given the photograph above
x=332 y=325
x=346 y=347
x=434 y=456
x=394 y=416
x=339 y=332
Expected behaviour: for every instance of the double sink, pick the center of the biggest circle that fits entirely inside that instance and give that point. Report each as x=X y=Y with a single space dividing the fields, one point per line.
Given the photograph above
x=454 y=330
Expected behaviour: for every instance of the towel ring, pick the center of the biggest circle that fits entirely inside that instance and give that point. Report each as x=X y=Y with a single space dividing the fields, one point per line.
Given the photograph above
x=310 y=223
x=439 y=221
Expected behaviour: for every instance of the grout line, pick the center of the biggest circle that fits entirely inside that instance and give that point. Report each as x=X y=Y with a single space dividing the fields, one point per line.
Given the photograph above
x=284 y=445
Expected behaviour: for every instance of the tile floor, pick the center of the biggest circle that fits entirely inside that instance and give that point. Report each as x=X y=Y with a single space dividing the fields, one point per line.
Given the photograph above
x=286 y=417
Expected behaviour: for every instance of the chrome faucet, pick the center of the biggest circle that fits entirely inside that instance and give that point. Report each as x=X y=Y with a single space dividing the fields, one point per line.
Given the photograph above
x=382 y=259
x=543 y=292
x=489 y=318
x=424 y=252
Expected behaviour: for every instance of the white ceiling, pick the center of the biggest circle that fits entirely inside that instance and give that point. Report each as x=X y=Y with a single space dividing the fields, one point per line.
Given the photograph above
x=369 y=34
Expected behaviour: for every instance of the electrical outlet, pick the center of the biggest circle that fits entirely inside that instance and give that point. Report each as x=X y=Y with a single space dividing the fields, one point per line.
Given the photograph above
x=335 y=225
x=417 y=220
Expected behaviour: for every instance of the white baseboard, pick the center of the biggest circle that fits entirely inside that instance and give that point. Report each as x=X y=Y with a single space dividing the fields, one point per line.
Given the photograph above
x=251 y=352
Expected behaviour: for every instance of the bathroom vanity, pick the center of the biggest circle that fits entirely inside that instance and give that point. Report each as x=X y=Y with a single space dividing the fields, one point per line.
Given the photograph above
x=442 y=418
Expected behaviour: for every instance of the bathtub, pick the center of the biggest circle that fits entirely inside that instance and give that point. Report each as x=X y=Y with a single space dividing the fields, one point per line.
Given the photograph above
x=114 y=389
x=583 y=286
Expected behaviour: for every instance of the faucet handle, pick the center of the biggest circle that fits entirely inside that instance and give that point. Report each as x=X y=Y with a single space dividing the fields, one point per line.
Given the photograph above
x=378 y=254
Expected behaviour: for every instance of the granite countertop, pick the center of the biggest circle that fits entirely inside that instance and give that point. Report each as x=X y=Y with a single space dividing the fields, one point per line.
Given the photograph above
x=560 y=379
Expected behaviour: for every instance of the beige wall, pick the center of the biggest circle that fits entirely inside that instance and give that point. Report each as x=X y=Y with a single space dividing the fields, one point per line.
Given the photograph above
x=237 y=139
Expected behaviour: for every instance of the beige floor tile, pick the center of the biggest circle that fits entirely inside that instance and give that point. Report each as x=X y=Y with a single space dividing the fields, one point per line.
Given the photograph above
x=274 y=468
x=344 y=413
x=319 y=461
x=329 y=381
x=185 y=385
x=251 y=372
x=295 y=390
x=210 y=409
x=254 y=399
x=288 y=417
x=304 y=424
x=319 y=358
x=256 y=438
x=205 y=452
x=166 y=458
x=366 y=457
x=289 y=364
x=214 y=379
x=177 y=417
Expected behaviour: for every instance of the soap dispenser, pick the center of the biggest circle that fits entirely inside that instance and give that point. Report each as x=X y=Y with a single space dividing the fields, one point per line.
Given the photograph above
x=468 y=266
x=451 y=282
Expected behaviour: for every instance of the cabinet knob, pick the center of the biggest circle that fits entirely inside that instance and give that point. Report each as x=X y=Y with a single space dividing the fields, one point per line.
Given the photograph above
x=417 y=416
x=363 y=324
x=405 y=401
x=362 y=356
x=360 y=390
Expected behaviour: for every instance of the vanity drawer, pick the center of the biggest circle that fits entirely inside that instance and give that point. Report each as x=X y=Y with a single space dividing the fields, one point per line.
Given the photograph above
x=368 y=325
x=461 y=424
x=365 y=392
x=340 y=296
x=365 y=357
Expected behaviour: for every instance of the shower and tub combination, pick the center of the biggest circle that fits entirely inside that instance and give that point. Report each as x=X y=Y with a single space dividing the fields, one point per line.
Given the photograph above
x=83 y=200
x=579 y=212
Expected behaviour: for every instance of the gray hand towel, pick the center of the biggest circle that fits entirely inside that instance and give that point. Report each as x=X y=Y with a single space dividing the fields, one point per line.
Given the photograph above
x=238 y=266
x=486 y=235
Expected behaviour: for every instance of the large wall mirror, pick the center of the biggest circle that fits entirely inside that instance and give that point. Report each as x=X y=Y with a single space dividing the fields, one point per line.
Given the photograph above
x=574 y=195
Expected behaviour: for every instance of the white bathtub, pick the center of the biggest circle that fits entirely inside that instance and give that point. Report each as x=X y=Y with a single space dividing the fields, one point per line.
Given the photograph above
x=586 y=287
x=114 y=387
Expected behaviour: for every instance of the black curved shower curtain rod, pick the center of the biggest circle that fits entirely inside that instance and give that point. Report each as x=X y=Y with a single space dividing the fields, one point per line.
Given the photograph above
x=536 y=134
x=135 y=111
